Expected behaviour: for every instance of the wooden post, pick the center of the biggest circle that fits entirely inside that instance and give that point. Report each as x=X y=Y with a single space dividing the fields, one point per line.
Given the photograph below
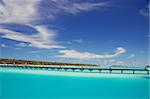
x=121 y=71
x=66 y=69
x=59 y=67
x=81 y=69
x=133 y=72
x=100 y=71
x=110 y=71
x=90 y=70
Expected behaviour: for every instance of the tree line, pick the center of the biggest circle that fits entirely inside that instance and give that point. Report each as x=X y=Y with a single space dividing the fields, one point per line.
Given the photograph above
x=32 y=62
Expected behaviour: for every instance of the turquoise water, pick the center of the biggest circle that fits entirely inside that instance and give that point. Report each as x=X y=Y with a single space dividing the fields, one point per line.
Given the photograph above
x=42 y=84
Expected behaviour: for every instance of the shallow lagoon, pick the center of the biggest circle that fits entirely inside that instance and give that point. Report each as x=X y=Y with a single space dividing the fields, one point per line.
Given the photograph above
x=43 y=84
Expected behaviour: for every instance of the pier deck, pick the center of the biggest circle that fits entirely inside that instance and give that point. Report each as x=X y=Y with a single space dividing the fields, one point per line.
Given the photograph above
x=66 y=68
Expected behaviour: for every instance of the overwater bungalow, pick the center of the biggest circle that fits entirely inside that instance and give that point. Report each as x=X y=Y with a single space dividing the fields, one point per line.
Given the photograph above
x=147 y=67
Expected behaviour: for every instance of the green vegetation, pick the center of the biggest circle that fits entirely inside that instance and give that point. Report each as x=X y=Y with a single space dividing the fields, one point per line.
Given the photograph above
x=31 y=62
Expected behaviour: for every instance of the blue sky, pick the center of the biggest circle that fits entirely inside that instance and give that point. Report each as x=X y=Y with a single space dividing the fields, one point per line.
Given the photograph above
x=105 y=32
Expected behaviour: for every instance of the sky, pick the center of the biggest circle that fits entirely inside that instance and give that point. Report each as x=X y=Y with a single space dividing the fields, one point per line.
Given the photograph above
x=105 y=32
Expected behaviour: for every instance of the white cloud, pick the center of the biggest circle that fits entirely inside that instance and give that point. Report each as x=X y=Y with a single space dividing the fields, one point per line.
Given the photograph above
x=132 y=56
x=43 y=39
x=25 y=12
x=22 y=45
x=18 y=11
x=74 y=7
x=86 y=55
x=145 y=11
x=53 y=8
x=77 y=41
x=28 y=12
x=3 y=45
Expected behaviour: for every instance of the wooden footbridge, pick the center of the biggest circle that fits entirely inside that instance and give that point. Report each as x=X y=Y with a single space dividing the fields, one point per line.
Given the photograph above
x=90 y=69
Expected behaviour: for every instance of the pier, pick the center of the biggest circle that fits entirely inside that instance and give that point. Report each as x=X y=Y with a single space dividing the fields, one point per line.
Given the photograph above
x=146 y=70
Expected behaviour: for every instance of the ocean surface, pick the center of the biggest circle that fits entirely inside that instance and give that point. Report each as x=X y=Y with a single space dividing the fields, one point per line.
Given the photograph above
x=43 y=84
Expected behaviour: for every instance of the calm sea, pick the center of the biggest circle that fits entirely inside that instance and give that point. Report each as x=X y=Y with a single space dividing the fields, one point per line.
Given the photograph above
x=43 y=84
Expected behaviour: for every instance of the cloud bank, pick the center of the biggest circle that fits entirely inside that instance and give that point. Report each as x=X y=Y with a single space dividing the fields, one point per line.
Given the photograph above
x=32 y=12
x=42 y=39
x=86 y=55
